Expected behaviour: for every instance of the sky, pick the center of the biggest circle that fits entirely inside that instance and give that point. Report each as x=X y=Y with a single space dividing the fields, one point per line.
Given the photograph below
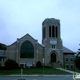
x=19 y=17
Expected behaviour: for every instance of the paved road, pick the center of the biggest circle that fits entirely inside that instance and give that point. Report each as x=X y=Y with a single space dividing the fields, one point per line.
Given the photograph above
x=69 y=77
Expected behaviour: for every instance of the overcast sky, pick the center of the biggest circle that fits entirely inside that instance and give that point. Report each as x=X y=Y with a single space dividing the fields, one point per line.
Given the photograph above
x=19 y=17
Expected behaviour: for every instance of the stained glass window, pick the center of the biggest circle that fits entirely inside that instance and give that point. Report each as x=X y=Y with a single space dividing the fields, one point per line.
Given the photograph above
x=27 y=50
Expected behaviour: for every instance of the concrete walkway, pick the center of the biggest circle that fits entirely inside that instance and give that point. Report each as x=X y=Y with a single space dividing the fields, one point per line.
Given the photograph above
x=68 y=71
x=36 y=75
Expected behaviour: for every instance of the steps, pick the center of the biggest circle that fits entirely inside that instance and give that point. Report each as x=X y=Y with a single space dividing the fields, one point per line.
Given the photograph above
x=55 y=65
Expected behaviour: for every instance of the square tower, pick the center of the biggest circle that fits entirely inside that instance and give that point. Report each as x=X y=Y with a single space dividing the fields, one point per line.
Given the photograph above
x=51 y=40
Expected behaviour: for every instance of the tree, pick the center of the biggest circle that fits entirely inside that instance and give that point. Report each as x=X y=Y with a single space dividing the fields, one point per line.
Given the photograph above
x=11 y=64
x=38 y=64
x=3 y=46
x=77 y=62
x=77 y=59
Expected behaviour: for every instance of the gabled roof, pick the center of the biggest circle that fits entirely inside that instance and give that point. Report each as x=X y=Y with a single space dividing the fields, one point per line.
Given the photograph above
x=12 y=43
x=27 y=35
x=66 y=50
x=42 y=45
x=23 y=37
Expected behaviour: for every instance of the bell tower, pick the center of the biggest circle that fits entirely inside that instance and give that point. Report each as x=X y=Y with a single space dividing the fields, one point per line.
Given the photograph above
x=51 y=38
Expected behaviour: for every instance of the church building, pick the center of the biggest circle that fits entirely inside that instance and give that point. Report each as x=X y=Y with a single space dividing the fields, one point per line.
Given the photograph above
x=27 y=51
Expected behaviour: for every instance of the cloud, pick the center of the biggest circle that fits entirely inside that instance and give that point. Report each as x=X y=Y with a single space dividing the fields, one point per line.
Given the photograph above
x=18 y=17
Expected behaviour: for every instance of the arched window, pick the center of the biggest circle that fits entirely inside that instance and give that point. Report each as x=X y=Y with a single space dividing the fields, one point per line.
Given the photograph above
x=56 y=32
x=44 y=32
x=49 y=31
x=27 y=50
x=53 y=31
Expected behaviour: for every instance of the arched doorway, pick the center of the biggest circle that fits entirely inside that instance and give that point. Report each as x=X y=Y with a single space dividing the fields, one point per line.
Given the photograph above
x=53 y=57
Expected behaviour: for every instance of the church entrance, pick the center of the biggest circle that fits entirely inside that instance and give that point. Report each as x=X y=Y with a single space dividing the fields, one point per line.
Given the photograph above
x=53 y=57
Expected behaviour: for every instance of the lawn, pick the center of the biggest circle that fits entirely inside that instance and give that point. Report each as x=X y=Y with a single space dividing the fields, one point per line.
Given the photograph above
x=75 y=70
x=33 y=71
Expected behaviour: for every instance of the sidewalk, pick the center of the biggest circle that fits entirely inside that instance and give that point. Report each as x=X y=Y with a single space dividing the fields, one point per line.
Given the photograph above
x=68 y=71
x=36 y=75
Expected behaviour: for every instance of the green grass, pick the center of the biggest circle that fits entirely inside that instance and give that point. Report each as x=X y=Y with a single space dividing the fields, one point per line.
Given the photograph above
x=33 y=71
x=75 y=70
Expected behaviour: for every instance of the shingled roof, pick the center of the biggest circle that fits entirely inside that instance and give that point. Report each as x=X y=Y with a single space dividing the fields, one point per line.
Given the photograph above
x=66 y=50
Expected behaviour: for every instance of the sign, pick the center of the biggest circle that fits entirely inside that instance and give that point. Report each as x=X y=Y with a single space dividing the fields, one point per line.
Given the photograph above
x=43 y=60
x=76 y=76
x=29 y=64
x=53 y=42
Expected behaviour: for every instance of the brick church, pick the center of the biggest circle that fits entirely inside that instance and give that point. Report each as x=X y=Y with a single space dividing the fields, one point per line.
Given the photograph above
x=27 y=51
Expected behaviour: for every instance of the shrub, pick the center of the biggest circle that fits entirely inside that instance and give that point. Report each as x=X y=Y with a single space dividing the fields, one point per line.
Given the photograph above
x=48 y=67
x=3 y=46
x=38 y=64
x=77 y=62
x=11 y=64
x=2 y=67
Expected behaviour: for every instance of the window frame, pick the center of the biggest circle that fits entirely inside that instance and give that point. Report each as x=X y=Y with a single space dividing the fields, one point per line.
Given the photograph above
x=66 y=59
x=49 y=31
x=71 y=59
x=72 y=66
x=27 y=50
x=53 y=46
x=67 y=66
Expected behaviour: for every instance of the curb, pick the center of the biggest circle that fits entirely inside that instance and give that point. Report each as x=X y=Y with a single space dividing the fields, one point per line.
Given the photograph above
x=36 y=75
